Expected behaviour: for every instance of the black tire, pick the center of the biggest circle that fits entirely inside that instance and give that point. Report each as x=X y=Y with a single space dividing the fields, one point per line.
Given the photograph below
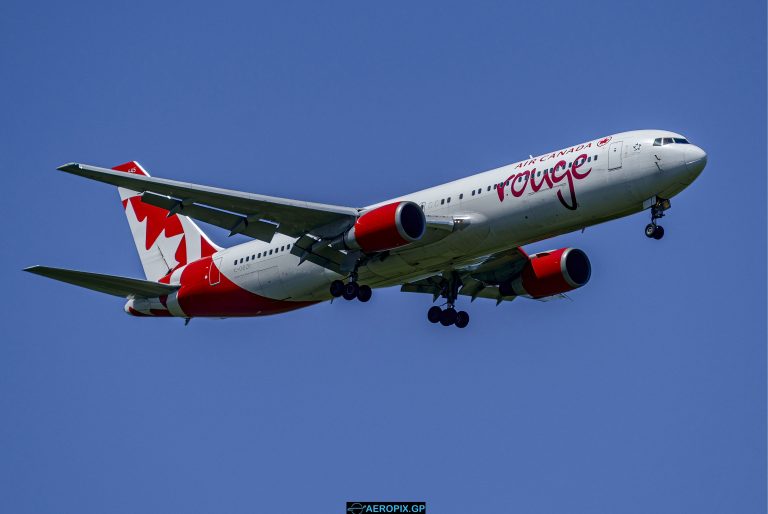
x=433 y=314
x=350 y=291
x=650 y=230
x=659 y=232
x=462 y=319
x=448 y=317
x=364 y=293
x=337 y=288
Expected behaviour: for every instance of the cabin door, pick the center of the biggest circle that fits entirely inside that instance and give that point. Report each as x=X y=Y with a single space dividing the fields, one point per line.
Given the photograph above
x=614 y=155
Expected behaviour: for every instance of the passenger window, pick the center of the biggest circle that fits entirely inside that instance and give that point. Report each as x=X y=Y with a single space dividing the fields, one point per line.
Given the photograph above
x=507 y=181
x=259 y=254
x=282 y=248
x=595 y=157
x=235 y=262
x=442 y=202
x=473 y=192
x=449 y=199
x=287 y=247
x=495 y=186
x=241 y=261
x=480 y=190
x=253 y=257
x=589 y=159
x=489 y=188
x=248 y=258
x=270 y=252
x=519 y=179
x=461 y=196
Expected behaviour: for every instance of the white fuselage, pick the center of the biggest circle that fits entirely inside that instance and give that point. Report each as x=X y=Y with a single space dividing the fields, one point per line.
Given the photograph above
x=619 y=174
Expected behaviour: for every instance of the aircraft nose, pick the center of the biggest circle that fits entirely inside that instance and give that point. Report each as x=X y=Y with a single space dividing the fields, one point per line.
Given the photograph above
x=695 y=159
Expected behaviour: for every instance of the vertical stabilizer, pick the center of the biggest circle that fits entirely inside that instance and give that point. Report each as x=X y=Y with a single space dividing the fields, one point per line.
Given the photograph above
x=164 y=242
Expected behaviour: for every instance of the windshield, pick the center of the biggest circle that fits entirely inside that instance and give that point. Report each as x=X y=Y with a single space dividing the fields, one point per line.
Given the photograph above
x=661 y=141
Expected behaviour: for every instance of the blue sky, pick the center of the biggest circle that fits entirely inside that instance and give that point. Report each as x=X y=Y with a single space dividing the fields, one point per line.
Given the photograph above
x=646 y=393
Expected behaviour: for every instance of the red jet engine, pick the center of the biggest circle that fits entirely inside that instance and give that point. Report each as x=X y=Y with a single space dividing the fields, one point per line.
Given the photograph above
x=550 y=273
x=386 y=227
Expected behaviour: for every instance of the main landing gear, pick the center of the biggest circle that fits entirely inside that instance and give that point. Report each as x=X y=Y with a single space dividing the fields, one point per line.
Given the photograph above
x=449 y=315
x=351 y=289
x=652 y=230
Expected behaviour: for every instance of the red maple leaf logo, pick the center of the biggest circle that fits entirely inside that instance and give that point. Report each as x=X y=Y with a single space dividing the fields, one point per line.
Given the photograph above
x=603 y=141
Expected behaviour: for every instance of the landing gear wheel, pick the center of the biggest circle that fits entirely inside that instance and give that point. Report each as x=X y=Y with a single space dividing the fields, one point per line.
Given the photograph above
x=652 y=230
x=364 y=293
x=350 y=291
x=434 y=313
x=337 y=288
x=448 y=317
x=462 y=319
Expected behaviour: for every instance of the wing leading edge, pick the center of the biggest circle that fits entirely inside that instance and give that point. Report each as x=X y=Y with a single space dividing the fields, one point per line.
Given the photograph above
x=255 y=215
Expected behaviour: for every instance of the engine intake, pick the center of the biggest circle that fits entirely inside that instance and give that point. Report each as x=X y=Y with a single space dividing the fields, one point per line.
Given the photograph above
x=384 y=228
x=551 y=273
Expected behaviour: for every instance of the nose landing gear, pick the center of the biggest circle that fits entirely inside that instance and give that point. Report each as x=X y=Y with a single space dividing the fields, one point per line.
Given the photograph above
x=653 y=230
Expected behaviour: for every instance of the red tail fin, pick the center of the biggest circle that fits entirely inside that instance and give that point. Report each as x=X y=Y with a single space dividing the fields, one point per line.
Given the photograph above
x=164 y=242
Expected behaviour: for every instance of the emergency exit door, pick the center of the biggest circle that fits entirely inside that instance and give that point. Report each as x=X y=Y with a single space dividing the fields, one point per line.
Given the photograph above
x=214 y=272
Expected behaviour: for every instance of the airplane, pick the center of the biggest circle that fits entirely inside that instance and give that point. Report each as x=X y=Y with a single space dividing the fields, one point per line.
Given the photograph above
x=460 y=239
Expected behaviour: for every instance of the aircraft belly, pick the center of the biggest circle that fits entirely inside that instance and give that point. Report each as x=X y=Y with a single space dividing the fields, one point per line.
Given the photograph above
x=308 y=281
x=391 y=266
x=290 y=280
x=467 y=239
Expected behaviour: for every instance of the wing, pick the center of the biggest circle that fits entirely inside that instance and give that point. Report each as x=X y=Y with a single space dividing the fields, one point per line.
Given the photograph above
x=109 y=284
x=479 y=280
x=257 y=216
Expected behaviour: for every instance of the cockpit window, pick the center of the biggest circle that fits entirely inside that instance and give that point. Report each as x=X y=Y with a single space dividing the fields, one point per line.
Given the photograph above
x=669 y=140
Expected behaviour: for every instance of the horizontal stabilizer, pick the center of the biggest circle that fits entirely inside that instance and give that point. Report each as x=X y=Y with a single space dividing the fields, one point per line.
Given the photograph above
x=110 y=284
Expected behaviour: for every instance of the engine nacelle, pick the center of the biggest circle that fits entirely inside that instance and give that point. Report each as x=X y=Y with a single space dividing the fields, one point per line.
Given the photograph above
x=384 y=228
x=550 y=273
